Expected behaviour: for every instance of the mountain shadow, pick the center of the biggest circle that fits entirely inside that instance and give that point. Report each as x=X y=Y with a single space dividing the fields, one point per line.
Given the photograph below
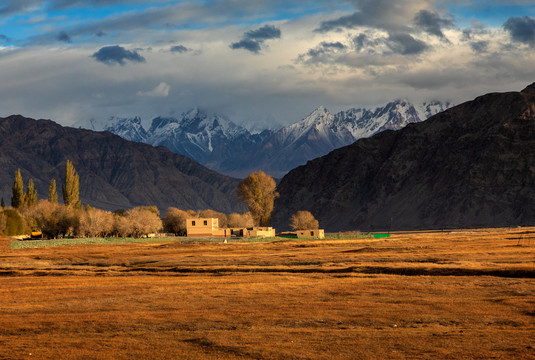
x=470 y=166
x=114 y=173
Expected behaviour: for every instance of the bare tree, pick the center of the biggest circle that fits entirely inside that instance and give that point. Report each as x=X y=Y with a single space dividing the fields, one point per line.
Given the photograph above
x=236 y=220
x=174 y=220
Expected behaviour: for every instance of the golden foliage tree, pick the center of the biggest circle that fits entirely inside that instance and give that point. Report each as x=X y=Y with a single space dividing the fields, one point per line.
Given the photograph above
x=258 y=191
x=304 y=220
x=71 y=188
x=17 y=200
x=30 y=198
x=52 y=192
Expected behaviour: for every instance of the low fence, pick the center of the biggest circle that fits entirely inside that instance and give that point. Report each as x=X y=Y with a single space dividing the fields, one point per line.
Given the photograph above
x=28 y=244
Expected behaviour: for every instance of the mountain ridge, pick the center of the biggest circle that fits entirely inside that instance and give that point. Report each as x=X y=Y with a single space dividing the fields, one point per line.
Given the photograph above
x=114 y=172
x=218 y=143
x=469 y=166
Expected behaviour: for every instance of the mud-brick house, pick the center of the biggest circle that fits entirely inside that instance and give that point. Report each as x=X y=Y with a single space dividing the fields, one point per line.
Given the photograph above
x=200 y=227
x=261 y=232
x=315 y=233
x=209 y=227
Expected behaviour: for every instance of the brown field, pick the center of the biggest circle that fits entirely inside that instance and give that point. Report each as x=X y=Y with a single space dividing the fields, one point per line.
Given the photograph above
x=466 y=294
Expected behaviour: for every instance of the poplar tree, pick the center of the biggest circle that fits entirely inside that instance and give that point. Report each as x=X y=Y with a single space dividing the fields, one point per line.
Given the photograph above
x=17 y=200
x=71 y=187
x=3 y=204
x=31 y=194
x=52 y=193
x=258 y=191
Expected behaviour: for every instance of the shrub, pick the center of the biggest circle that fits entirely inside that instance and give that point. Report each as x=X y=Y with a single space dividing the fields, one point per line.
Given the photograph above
x=14 y=222
x=2 y=221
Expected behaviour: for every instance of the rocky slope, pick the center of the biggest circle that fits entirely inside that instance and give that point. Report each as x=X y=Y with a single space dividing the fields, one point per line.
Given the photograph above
x=472 y=165
x=114 y=173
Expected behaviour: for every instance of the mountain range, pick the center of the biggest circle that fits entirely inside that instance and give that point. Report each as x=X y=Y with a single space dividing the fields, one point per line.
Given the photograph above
x=223 y=146
x=114 y=173
x=472 y=165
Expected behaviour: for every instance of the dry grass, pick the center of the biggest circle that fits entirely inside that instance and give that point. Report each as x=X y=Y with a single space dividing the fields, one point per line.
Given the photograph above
x=453 y=295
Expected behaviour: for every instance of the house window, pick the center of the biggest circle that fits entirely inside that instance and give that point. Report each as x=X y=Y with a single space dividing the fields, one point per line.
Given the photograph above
x=193 y=223
x=312 y=233
x=205 y=222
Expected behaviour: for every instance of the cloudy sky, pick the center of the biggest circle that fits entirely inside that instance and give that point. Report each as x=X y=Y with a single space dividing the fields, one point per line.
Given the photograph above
x=260 y=63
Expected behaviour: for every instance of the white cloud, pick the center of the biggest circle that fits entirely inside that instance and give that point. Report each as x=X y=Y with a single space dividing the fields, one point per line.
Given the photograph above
x=162 y=90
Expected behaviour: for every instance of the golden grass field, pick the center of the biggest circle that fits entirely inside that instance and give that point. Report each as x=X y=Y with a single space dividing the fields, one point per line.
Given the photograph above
x=465 y=294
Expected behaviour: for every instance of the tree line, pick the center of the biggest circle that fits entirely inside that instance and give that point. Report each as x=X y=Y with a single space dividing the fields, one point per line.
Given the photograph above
x=71 y=218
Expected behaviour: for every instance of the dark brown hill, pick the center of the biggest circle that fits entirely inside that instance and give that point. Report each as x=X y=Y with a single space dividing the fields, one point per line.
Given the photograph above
x=114 y=173
x=472 y=165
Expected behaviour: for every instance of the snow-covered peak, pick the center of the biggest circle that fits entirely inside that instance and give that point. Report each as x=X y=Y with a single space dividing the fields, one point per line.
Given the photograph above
x=127 y=128
x=319 y=119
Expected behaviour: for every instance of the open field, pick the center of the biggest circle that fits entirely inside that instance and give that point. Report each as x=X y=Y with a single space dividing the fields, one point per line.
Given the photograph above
x=466 y=294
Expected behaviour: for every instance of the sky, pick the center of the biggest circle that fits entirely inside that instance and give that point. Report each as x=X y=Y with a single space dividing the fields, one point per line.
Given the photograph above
x=262 y=64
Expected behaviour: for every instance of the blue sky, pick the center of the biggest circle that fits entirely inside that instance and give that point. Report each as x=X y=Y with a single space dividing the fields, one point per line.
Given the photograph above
x=260 y=63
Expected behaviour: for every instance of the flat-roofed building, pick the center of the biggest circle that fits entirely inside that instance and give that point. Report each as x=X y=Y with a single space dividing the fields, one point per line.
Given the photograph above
x=315 y=233
x=202 y=227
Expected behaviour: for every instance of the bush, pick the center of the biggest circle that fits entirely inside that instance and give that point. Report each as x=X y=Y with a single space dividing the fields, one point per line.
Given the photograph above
x=2 y=221
x=14 y=222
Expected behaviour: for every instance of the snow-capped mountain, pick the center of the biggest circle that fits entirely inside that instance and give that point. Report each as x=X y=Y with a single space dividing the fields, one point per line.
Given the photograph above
x=128 y=128
x=321 y=132
x=196 y=134
x=221 y=145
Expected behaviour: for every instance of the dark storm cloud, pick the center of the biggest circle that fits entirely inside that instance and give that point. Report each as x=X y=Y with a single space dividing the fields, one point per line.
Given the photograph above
x=326 y=47
x=347 y=22
x=521 y=29
x=380 y=14
x=247 y=44
x=479 y=46
x=179 y=49
x=63 y=37
x=333 y=45
x=254 y=39
x=432 y=23
x=100 y=33
x=264 y=33
x=116 y=54
x=405 y=44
